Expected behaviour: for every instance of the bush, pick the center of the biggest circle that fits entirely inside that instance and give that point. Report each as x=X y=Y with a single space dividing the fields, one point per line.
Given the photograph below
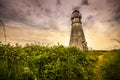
x=111 y=66
x=34 y=62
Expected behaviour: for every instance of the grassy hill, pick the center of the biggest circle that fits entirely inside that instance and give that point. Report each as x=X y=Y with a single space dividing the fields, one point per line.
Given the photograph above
x=35 y=62
x=104 y=65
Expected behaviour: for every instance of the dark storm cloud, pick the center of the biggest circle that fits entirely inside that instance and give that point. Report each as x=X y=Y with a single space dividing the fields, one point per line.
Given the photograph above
x=38 y=2
x=25 y=11
x=117 y=18
x=85 y=2
x=90 y=17
x=81 y=3
x=2 y=5
x=10 y=12
x=38 y=18
x=58 y=2
x=115 y=8
x=76 y=8
x=48 y=12
x=1 y=23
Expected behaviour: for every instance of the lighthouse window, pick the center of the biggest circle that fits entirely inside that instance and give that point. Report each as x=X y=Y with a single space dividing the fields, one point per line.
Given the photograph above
x=76 y=20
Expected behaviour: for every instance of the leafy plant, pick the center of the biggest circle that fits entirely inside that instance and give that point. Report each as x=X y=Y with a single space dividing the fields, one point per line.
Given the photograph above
x=111 y=66
x=34 y=62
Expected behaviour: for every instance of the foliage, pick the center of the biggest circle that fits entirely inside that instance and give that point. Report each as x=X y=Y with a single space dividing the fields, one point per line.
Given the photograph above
x=93 y=64
x=111 y=66
x=34 y=62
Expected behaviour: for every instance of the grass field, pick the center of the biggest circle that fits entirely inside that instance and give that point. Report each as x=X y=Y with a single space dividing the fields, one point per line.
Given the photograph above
x=35 y=62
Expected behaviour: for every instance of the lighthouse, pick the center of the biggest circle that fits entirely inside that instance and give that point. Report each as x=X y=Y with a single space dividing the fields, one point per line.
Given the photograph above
x=77 y=38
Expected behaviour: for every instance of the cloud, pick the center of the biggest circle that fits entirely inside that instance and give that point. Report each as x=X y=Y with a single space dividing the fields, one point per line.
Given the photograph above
x=85 y=2
x=39 y=13
x=81 y=3
x=43 y=17
x=17 y=34
x=115 y=8
x=58 y=2
x=2 y=5
x=76 y=8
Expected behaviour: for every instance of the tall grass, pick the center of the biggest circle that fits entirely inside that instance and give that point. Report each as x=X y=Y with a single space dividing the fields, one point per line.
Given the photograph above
x=111 y=65
x=34 y=62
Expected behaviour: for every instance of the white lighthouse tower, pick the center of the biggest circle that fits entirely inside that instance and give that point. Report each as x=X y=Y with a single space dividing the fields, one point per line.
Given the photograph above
x=77 y=38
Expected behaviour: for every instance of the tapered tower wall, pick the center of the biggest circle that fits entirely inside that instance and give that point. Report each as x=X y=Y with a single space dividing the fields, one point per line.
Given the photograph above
x=77 y=37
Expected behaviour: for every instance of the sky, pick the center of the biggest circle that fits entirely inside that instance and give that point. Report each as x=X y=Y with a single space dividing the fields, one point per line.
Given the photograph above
x=48 y=22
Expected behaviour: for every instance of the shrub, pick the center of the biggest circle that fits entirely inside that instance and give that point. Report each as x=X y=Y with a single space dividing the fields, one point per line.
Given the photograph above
x=34 y=62
x=111 y=66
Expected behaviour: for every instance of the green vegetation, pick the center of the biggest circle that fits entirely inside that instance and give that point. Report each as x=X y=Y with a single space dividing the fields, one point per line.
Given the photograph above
x=34 y=62
x=111 y=65
x=104 y=65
